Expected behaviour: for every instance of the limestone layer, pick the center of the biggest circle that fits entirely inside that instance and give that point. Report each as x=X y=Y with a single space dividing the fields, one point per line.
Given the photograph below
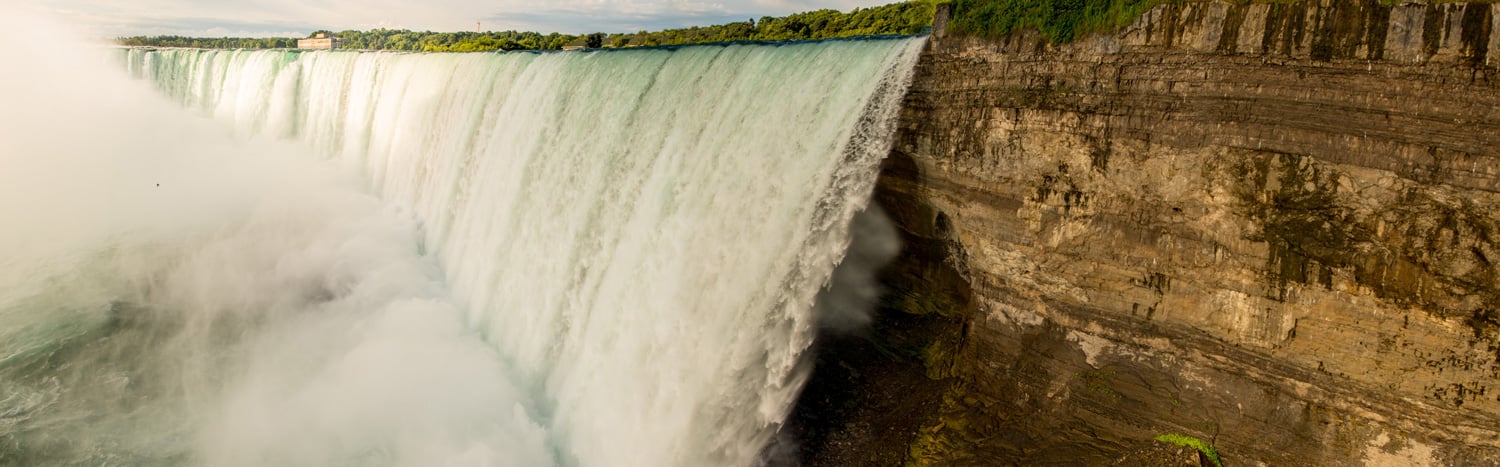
x=1269 y=226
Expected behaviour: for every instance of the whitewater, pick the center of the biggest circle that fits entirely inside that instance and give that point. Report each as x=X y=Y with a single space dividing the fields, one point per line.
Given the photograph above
x=605 y=258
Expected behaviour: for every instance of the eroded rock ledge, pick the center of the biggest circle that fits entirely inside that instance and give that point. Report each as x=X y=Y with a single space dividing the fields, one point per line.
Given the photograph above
x=1272 y=226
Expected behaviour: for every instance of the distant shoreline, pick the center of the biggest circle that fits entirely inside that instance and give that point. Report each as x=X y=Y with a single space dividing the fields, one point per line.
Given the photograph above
x=904 y=19
x=875 y=37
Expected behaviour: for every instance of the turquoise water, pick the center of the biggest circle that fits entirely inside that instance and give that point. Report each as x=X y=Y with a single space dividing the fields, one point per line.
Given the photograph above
x=471 y=259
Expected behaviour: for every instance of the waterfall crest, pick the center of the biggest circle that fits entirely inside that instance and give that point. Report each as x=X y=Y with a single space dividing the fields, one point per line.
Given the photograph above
x=639 y=235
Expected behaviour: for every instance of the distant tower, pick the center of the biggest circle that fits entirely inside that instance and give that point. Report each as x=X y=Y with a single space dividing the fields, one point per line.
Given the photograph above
x=476 y=26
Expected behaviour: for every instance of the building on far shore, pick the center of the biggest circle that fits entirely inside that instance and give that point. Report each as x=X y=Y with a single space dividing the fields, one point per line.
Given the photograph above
x=320 y=41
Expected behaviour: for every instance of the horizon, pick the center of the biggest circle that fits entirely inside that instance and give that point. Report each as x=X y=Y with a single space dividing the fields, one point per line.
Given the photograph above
x=283 y=18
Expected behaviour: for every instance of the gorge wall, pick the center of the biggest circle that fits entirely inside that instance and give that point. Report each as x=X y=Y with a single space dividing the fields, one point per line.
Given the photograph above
x=1270 y=226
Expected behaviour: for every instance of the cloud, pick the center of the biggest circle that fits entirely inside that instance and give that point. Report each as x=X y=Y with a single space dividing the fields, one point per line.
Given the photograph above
x=259 y=18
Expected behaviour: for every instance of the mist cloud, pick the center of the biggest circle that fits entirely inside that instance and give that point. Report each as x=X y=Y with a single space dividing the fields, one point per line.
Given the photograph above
x=172 y=293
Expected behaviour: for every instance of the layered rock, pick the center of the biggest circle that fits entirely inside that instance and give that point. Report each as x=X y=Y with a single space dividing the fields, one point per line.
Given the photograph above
x=1270 y=226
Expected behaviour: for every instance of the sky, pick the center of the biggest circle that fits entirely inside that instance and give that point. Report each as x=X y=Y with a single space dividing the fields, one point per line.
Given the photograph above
x=294 y=18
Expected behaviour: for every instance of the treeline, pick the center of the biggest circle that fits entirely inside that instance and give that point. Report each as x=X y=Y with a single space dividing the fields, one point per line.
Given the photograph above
x=401 y=39
x=1059 y=20
x=910 y=17
x=210 y=42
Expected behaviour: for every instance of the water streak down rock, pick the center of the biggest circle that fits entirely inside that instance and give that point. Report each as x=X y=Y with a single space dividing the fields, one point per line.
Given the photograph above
x=1270 y=226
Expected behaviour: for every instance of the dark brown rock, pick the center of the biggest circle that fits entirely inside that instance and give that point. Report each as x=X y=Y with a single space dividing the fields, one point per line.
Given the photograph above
x=1158 y=454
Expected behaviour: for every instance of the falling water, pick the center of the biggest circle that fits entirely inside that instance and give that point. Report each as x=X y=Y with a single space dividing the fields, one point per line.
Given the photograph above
x=615 y=260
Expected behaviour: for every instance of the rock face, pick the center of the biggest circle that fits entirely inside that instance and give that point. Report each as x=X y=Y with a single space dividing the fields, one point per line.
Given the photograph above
x=1270 y=226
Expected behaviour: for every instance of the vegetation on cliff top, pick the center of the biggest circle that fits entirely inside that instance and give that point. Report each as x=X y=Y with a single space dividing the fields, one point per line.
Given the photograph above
x=909 y=17
x=1195 y=443
x=1060 y=21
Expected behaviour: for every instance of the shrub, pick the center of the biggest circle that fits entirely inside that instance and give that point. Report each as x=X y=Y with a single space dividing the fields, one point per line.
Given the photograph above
x=1060 y=21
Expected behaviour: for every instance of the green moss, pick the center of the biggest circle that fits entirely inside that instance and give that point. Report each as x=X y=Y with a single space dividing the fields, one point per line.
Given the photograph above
x=1191 y=442
x=1060 y=21
x=949 y=438
x=938 y=358
x=924 y=304
x=1098 y=382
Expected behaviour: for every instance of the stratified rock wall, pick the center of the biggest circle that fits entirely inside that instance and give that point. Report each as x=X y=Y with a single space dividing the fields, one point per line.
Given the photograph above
x=1271 y=226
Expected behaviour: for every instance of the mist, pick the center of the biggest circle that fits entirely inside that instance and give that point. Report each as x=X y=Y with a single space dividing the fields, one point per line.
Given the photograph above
x=446 y=259
x=172 y=293
x=849 y=301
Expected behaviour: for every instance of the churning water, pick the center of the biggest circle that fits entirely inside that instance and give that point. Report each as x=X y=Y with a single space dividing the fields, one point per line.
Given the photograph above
x=604 y=258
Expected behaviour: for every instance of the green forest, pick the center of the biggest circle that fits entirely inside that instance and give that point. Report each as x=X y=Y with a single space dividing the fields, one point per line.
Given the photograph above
x=209 y=42
x=910 y=17
x=1060 y=21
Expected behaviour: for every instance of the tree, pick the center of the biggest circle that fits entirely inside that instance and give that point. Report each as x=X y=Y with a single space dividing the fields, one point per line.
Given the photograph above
x=1058 y=19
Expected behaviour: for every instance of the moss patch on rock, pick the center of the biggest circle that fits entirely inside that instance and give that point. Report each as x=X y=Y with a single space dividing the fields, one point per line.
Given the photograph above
x=1190 y=442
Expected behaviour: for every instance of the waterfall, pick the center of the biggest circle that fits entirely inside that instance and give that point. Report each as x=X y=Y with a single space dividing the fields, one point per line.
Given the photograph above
x=637 y=237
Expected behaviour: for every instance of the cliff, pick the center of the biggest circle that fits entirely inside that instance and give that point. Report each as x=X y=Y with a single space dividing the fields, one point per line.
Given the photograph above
x=1270 y=226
